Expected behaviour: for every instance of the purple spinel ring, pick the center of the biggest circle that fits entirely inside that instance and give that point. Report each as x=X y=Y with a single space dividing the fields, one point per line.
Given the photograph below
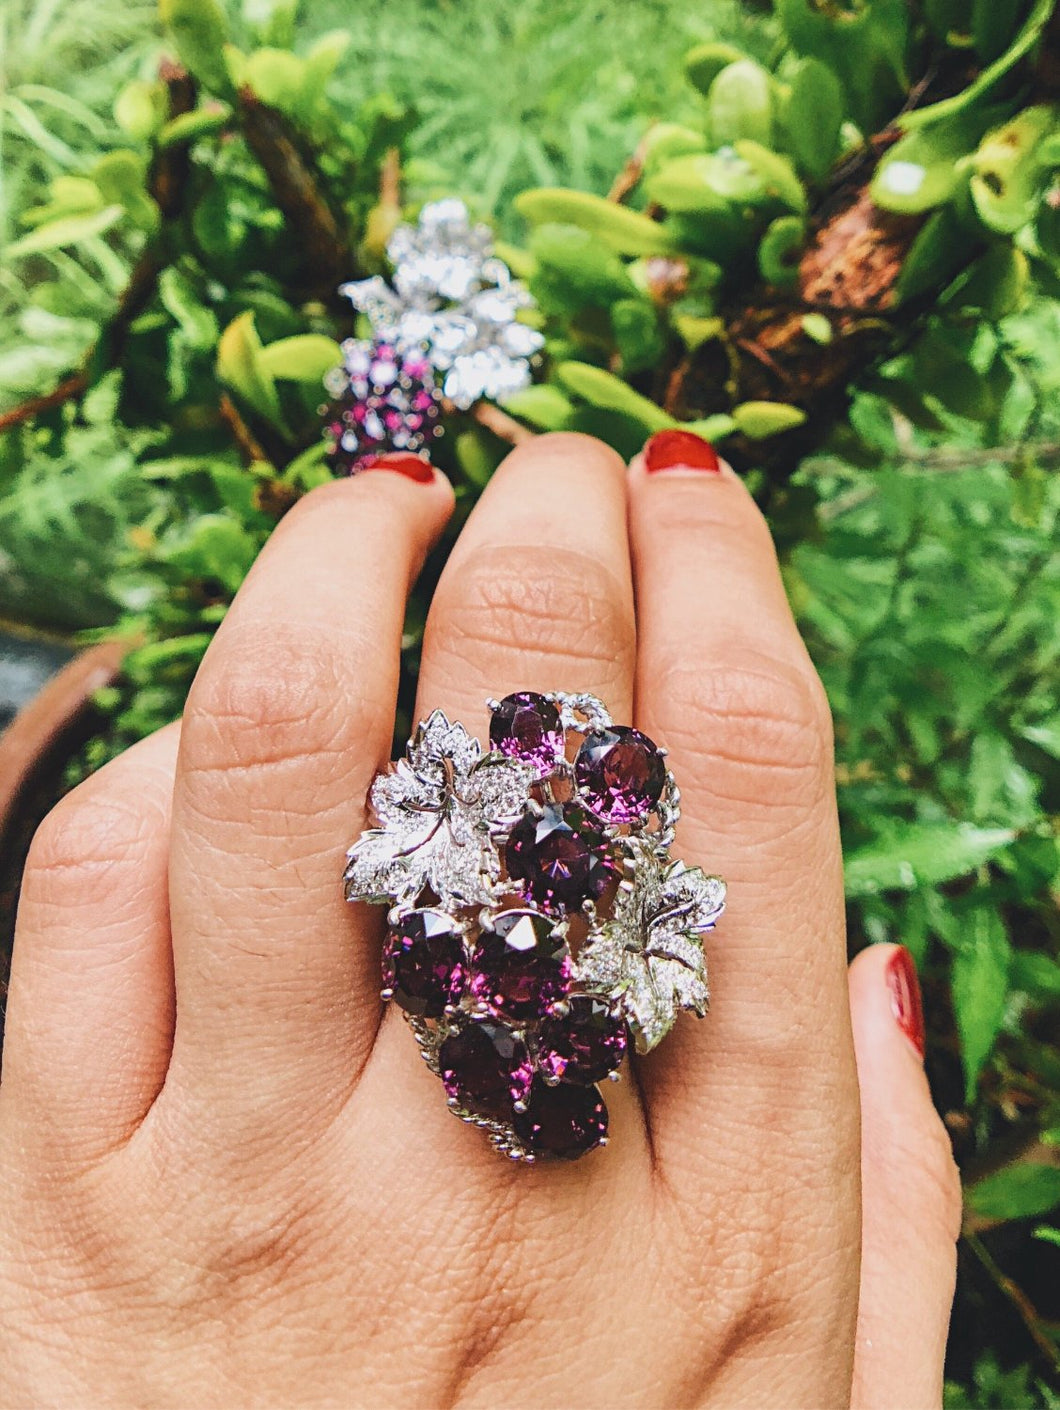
x=538 y=927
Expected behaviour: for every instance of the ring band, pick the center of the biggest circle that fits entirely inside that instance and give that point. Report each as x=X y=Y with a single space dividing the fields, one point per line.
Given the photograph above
x=538 y=925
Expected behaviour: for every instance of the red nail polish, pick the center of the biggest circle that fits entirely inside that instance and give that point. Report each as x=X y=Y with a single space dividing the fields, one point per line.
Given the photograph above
x=906 y=1003
x=414 y=467
x=669 y=449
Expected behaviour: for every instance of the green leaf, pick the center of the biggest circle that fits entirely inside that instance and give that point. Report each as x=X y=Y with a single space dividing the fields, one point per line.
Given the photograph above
x=1046 y=735
x=1020 y=47
x=811 y=115
x=69 y=230
x=779 y=251
x=277 y=77
x=706 y=184
x=997 y=284
x=979 y=983
x=140 y=108
x=864 y=47
x=191 y=127
x=324 y=58
x=215 y=546
x=1007 y=171
x=239 y=367
x=626 y=231
x=935 y=257
x=304 y=358
x=775 y=172
x=667 y=140
x=818 y=327
x=603 y=389
x=543 y=405
x=740 y=104
x=711 y=428
x=922 y=854
x=199 y=30
x=122 y=179
x=706 y=61
x=1036 y=974
x=760 y=419
x=574 y=272
x=914 y=177
x=1017 y=1192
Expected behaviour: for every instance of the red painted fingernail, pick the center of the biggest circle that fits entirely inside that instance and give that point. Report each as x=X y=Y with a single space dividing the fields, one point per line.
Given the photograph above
x=414 y=467
x=906 y=1003
x=670 y=450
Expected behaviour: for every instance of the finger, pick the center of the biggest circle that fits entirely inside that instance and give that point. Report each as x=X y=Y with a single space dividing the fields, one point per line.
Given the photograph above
x=537 y=595
x=724 y=681
x=764 y=1090
x=90 y=1009
x=289 y=717
x=911 y=1194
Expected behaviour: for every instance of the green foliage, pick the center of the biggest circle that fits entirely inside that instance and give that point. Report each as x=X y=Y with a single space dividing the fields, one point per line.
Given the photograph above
x=916 y=505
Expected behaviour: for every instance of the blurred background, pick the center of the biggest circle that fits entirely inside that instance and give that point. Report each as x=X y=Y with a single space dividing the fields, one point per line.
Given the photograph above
x=827 y=237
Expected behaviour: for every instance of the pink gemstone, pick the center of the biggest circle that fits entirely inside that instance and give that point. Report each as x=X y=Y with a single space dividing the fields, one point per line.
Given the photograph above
x=486 y=1069
x=526 y=726
x=563 y=1122
x=585 y=1045
x=561 y=857
x=620 y=773
x=520 y=965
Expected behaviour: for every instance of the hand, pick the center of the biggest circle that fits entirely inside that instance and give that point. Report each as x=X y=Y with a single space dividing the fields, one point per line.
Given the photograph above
x=227 y=1177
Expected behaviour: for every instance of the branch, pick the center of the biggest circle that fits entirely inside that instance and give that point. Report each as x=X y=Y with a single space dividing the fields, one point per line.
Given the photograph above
x=505 y=427
x=626 y=180
x=326 y=257
x=1026 y=1310
x=249 y=446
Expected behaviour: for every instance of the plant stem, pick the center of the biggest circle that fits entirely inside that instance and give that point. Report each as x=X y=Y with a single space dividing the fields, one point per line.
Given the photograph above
x=1028 y=1313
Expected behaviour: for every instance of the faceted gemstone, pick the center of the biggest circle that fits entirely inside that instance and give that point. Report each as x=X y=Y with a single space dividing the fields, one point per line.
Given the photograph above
x=585 y=1045
x=520 y=966
x=526 y=726
x=486 y=1068
x=423 y=963
x=564 y=1122
x=620 y=773
x=560 y=857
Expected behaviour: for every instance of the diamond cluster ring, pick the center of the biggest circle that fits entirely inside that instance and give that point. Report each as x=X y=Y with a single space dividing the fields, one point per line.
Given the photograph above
x=538 y=926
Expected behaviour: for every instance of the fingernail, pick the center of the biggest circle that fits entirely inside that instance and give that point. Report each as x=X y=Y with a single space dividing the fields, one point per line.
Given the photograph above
x=906 y=1003
x=672 y=450
x=414 y=467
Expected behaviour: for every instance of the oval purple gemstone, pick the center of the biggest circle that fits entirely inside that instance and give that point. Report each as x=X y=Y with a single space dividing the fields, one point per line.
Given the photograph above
x=520 y=966
x=526 y=726
x=585 y=1045
x=561 y=857
x=620 y=773
x=564 y=1122
x=486 y=1068
x=423 y=963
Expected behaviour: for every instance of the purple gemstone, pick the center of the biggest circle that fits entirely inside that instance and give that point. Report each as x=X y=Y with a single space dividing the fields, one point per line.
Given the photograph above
x=564 y=1122
x=520 y=966
x=585 y=1045
x=620 y=773
x=486 y=1068
x=526 y=726
x=423 y=963
x=561 y=857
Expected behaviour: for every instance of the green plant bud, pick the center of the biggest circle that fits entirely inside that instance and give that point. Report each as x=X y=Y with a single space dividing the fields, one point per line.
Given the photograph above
x=1007 y=170
x=191 y=127
x=706 y=61
x=626 y=231
x=278 y=78
x=706 y=183
x=603 y=389
x=758 y=420
x=140 y=109
x=239 y=367
x=199 y=30
x=542 y=405
x=667 y=140
x=740 y=104
x=817 y=327
x=778 y=254
x=811 y=114
x=776 y=174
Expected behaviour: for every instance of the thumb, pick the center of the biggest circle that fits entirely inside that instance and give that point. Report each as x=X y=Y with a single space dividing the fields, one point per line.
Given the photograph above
x=911 y=1194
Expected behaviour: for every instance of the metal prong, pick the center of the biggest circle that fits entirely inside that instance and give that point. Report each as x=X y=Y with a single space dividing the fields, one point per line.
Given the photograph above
x=614 y=1077
x=519 y=1106
x=386 y=993
x=492 y=705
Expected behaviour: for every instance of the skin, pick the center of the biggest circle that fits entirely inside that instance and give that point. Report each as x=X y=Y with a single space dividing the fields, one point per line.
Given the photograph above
x=226 y=1177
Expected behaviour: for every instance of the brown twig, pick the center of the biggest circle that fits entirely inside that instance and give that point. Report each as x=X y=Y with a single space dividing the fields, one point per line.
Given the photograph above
x=1025 y=1309
x=390 y=179
x=68 y=390
x=505 y=427
x=626 y=180
x=326 y=257
x=243 y=436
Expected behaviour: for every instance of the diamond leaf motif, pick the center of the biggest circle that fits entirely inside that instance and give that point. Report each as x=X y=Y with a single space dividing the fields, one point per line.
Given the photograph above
x=441 y=809
x=649 y=955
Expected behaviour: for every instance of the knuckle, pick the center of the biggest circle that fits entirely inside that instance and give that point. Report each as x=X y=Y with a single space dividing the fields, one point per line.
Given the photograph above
x=566 y=607
x=96 y=834
x=737 y=719
x=277 y=698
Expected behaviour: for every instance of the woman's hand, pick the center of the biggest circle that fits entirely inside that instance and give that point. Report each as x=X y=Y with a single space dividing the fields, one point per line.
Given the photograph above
x=227 y=1178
